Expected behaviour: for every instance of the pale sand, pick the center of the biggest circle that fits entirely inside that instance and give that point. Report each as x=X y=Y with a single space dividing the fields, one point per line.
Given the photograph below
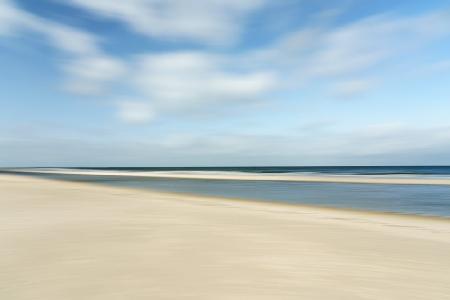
x=62 y=240
x=374 y=179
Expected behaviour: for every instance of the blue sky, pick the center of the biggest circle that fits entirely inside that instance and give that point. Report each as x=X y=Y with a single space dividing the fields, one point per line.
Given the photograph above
x=224 y=82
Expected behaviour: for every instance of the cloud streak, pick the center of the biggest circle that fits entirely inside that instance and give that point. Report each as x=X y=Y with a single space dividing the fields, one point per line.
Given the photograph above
x=335 y=56
x=89 y=69
x=210 y=67
x=180 y=81
x=189 y=80
x=204 y=21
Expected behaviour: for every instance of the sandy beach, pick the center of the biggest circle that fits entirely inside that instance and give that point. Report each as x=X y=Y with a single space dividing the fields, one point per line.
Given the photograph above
x=64 y=240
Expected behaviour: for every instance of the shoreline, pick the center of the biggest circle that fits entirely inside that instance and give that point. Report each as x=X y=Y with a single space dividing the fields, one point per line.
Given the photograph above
x=243 y=200
x=279 y=204
x=333 y=212
x=366 y=179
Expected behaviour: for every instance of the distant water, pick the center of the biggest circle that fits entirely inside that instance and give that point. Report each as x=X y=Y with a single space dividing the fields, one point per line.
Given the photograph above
x=341 y=170
x=433 y=200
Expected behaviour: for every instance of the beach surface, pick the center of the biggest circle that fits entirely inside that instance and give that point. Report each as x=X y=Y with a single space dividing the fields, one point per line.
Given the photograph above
x=65 y=240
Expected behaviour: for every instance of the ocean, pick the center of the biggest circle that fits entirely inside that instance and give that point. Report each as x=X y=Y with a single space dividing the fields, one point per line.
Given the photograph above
x=338 y=170
x=429 y=200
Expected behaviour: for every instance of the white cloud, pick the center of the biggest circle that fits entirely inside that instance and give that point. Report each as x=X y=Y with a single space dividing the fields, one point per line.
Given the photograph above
x=89 y=74
x=186 y=79
x=88 y=67
x=183 y=81
x=69 y=40
x=210 y=21
x=135 y=112
x=14 y=20
x=368 y=42
x=320 y=51
x=10 y=17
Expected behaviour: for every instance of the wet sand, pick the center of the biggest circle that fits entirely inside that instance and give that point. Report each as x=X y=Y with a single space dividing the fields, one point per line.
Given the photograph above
x=64 y=240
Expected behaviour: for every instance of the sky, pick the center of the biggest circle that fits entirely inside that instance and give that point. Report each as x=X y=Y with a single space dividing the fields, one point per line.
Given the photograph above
x=224 y=82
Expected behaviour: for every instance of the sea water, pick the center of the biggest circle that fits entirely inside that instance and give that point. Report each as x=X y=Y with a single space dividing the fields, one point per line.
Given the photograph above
x=431 y=200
